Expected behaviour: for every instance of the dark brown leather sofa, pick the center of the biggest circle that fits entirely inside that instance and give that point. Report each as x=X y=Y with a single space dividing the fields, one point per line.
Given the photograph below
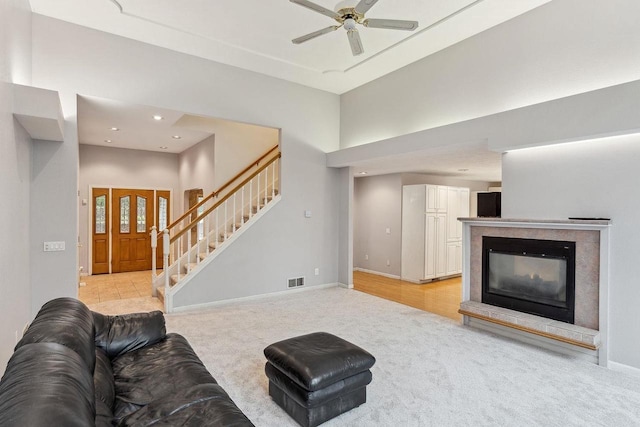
x=74 y=367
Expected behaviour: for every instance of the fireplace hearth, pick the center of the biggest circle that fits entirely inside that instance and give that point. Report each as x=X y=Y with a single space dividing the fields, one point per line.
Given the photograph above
x=530 y=275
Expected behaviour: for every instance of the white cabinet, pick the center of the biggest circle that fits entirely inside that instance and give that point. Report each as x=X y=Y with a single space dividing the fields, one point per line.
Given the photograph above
x=431 y=232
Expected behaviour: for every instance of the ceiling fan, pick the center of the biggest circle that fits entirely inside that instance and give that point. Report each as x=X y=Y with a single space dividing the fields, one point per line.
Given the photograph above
x=348 y=17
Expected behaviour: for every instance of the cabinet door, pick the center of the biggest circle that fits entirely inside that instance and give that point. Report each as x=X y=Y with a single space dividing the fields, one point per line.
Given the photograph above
x=452 y=261
x=431 y=227
x=432 y=198
x=413 y=232
x=442 y=198
x=463 y=209
x=454 y=258
x=453 y=201
x=441 y=245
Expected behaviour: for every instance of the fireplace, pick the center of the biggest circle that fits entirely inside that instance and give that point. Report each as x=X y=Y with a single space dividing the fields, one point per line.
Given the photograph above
x=530 y=275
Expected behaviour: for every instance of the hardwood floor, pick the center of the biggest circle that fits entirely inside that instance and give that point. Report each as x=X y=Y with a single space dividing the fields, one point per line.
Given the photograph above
x=440 y=297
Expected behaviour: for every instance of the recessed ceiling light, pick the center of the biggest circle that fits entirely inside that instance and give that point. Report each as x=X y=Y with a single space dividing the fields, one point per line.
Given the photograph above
x=363 y=173
x=115 y=129
x=176 y=137
x=108 y=141
x=157 y=117
x=163 y=147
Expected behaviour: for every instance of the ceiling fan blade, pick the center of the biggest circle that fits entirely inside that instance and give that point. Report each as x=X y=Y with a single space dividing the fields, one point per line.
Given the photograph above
x=391 y=24
x=365 y=5
x=315 y=34
x=355 y=42
x=316 y=8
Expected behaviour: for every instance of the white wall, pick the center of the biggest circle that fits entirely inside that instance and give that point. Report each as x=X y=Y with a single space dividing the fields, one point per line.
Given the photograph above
x=15 y=177
x=121 y=168
x=378 y=206
x=588 y=179
x=77 y=60
x=559 y=49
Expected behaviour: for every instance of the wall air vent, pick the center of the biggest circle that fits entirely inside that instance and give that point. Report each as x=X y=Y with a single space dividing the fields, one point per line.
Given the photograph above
x=295 y=282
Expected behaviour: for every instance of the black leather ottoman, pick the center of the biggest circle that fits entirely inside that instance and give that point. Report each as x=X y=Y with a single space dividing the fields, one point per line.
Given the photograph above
x=318 y=376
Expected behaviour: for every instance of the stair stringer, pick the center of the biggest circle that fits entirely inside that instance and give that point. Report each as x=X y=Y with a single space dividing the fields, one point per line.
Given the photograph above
x=168 y=298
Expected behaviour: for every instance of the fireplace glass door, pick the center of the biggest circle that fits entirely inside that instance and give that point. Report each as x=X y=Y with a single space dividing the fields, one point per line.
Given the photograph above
x=529 y=275
x=538 y=279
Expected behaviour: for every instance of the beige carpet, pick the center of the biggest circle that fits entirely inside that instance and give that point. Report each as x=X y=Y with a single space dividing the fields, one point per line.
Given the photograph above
x=430 y=371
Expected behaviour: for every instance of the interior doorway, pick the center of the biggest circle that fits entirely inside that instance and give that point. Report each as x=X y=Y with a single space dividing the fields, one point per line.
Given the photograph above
x=121 y=225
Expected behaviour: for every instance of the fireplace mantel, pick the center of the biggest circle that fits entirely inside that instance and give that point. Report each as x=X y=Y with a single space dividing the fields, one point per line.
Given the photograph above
x=592 y=238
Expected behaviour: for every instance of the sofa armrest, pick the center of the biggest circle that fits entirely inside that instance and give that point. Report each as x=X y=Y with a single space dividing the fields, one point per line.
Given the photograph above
x=117 y=335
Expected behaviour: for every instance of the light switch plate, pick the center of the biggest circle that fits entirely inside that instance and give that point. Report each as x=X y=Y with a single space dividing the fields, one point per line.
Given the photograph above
x=53 y=246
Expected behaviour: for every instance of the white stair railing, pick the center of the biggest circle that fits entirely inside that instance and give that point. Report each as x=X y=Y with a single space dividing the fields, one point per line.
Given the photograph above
x=227 y=214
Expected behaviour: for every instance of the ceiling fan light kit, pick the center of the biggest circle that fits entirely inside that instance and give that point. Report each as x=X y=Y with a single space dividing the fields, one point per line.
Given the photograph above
x=349 y=18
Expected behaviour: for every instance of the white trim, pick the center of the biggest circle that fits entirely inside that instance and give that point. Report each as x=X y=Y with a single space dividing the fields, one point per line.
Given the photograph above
x=194 y=307
x=626 y=369
x=378 y=273
x=345 y=286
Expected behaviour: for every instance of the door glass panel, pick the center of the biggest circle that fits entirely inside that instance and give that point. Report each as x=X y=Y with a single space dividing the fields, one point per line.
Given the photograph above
x=141 y=215
x=162 y=213
x=124 y=214
x=100 y=214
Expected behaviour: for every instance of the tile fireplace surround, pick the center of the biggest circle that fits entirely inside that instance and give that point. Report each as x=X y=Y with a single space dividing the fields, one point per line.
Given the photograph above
x=587 y=337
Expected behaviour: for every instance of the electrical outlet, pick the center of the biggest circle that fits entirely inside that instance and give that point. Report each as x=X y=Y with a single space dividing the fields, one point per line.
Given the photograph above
x=366 y=256
x=388 y=263
x=388 y=231
x=316 y=272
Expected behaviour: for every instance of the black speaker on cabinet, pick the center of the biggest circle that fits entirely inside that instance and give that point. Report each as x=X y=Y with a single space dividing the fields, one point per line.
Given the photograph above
x=489 y=204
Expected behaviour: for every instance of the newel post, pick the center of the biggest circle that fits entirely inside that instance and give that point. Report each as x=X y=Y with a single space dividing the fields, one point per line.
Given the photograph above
x=166 y=243
x=154 y=245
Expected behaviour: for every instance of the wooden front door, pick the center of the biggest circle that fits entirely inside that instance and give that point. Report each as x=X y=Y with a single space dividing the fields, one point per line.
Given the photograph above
x=100 y=231
x=132 y=214
x=163 y=219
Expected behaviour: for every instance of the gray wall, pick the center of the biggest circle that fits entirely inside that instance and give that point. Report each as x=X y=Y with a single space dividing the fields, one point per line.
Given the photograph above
x=378 y=206
x=15 y=177
x=121 y=168
x=73 y=59
x=196 y=169
x=588 y=179
x=559 y=49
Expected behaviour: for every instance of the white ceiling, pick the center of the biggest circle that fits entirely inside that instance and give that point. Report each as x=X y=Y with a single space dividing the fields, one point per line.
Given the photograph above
x=470 y=161
x=256 y=34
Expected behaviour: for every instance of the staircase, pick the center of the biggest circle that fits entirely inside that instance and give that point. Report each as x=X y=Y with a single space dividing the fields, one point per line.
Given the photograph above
x=207 y=229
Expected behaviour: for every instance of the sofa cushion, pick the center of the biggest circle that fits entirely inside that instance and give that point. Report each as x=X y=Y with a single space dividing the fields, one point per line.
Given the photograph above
x=46 y=384
x=201 y=405
x=65 y=321
x=104 y=385
x=166 y=369
x=117 y=335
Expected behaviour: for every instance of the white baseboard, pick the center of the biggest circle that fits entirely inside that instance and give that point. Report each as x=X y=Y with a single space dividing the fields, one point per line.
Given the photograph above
x=343 y=285
x=197 y=307
x=364 y=270
x=615 y=366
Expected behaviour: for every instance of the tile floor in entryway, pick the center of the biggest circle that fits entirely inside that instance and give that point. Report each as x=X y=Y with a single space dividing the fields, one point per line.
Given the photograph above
x=118 y=286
